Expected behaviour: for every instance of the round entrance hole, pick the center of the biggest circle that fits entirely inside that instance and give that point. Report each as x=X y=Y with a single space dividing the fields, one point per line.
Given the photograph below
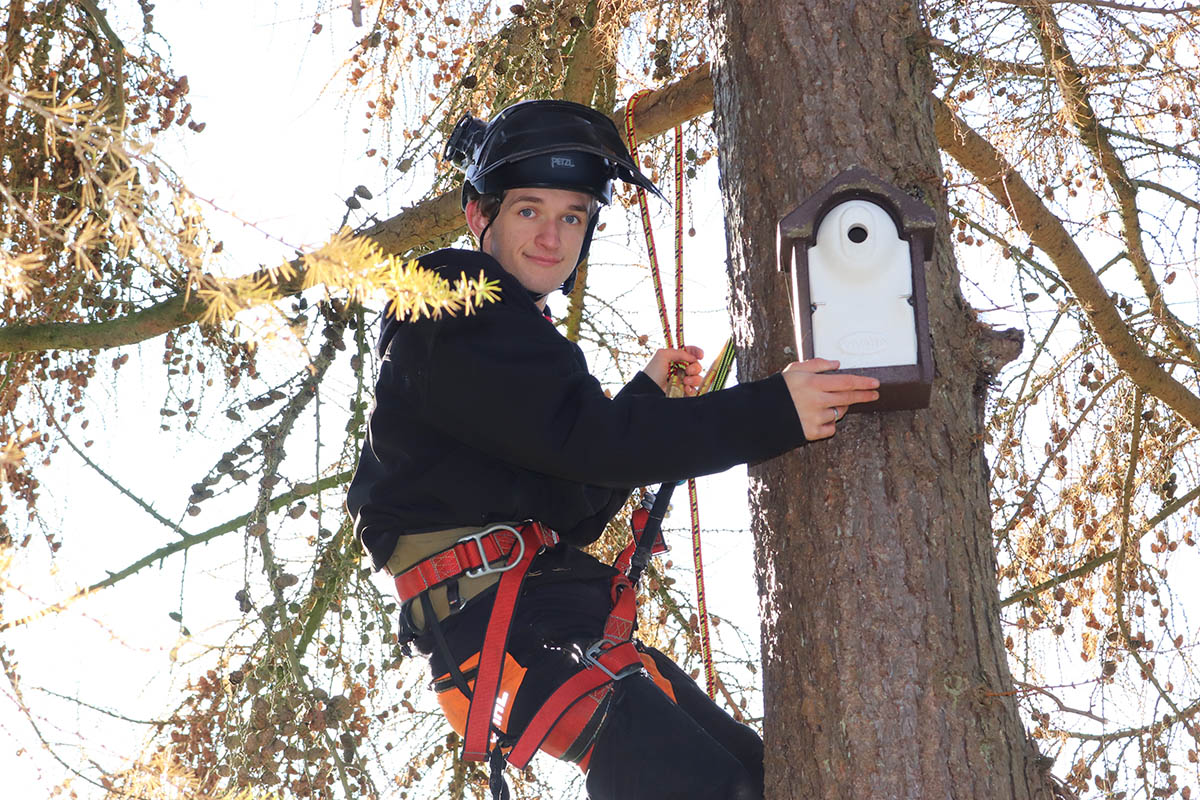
x=857 y=234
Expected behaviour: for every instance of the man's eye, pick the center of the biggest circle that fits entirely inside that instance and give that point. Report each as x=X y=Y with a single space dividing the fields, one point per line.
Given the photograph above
x=526 y=212
x=572 y=219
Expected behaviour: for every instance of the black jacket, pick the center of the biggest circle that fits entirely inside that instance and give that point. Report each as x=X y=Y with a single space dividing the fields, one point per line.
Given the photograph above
x=493 y=416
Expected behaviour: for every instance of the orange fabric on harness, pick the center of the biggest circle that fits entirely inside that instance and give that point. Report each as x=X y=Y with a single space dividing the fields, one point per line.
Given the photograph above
x=571 y=737
x=455 y=705
x=656 y=676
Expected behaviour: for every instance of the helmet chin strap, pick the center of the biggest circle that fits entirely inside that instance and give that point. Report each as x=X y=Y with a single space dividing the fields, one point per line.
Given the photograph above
x=569 y=284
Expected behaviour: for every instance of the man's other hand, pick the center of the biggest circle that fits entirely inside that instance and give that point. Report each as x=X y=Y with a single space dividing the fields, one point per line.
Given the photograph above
x=684 y=361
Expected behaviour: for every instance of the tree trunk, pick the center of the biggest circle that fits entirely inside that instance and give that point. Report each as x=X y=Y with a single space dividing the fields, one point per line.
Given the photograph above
x=885 y=669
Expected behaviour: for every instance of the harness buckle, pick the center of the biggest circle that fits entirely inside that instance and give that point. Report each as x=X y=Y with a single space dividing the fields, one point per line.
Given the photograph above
x=591 y=657
x=485 y=568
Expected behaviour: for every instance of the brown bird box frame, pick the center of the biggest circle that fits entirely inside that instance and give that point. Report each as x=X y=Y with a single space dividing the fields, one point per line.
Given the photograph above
x=903 y=386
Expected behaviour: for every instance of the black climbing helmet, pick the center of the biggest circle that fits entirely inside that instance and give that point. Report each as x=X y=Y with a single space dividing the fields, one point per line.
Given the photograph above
x=553 y=144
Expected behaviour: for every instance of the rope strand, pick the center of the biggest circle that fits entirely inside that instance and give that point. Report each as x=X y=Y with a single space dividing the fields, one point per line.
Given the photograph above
x=710 y=677
x=644 y=209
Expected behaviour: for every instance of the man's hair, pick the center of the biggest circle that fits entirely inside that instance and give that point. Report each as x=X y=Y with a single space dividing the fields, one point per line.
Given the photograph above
x=489 y=204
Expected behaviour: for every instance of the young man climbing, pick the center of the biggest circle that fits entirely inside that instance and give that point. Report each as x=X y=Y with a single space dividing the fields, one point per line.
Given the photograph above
x=492 y=456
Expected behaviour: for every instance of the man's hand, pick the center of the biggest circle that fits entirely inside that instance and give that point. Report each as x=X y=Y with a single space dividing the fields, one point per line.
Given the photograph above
x=821 y=400
x=683 y=361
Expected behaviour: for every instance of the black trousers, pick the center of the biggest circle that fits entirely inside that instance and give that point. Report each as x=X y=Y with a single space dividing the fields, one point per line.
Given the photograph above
x=649 y=747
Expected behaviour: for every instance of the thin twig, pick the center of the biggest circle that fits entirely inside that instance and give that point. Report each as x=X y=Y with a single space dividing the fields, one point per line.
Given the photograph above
x=10 y=672
x=183 y=544
x=1061 y=705
x=149 y=509
x=155 y=722
x=1103 y=558
x=1113 y=4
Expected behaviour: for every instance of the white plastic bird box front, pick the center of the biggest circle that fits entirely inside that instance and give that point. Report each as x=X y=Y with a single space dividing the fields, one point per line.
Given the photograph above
x=857 y=250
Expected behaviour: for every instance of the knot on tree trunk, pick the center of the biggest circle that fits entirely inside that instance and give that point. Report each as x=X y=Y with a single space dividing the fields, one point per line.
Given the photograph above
x=996 y=348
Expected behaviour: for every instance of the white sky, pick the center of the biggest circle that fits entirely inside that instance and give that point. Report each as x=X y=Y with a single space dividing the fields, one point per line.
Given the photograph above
x=282 y=154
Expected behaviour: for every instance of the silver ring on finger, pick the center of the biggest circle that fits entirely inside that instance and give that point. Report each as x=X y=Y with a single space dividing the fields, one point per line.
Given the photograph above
x=836 y=415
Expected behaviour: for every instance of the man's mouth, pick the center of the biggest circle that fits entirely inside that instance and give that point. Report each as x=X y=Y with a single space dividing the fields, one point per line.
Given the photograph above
x=545 y=261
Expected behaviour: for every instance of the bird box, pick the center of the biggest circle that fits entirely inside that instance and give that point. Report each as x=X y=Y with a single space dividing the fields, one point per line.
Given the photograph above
x=856 y=251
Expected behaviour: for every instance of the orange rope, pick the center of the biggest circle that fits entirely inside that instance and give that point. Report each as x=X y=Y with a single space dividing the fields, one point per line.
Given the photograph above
x=644 y=208
x=710 y=677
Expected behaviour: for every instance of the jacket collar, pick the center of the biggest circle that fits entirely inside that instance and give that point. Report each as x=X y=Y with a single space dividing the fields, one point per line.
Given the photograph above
x=450 y=262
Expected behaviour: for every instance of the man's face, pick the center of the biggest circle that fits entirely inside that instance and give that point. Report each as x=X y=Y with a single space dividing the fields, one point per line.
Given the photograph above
x=537 y=234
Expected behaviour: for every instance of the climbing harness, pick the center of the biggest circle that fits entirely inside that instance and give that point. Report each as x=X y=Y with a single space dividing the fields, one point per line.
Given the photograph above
x=710 y=675
x=566 y=724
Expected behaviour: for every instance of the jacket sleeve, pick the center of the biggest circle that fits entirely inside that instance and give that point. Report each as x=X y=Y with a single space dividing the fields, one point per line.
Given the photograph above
x=508 y=384
x=640 y=384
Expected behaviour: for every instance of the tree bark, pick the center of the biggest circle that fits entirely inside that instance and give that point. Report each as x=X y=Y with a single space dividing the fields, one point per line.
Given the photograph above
x=885 y=670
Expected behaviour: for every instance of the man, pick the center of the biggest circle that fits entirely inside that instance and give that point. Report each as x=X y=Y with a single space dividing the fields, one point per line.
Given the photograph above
x=492 y=456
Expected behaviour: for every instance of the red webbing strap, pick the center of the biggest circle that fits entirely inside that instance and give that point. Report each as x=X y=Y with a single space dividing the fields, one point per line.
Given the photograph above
x=619 y=626
x=495 y=643
x=617 y=654
x=614 y=660
x=637 y=521
x=470 y=553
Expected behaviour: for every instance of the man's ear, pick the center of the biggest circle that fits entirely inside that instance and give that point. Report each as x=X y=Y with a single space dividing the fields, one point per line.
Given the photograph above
x=476 y=220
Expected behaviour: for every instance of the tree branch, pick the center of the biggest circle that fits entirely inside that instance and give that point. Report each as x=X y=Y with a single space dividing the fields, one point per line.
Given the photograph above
x=1002 y=534
x=981 y=159
x=115 y=82
x=1123 y=550
x=1113 y=4
x=1154 y=728
x=997 y=66
x=1102 y=559
x=1079 y=110
x=280 y=622
x=1160 y=147
x=688 y=97
x=1178 y=197
x=579 y=85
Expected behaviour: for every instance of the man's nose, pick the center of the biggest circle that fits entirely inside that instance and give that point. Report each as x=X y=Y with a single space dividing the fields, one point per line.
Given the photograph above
x=547 y=235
